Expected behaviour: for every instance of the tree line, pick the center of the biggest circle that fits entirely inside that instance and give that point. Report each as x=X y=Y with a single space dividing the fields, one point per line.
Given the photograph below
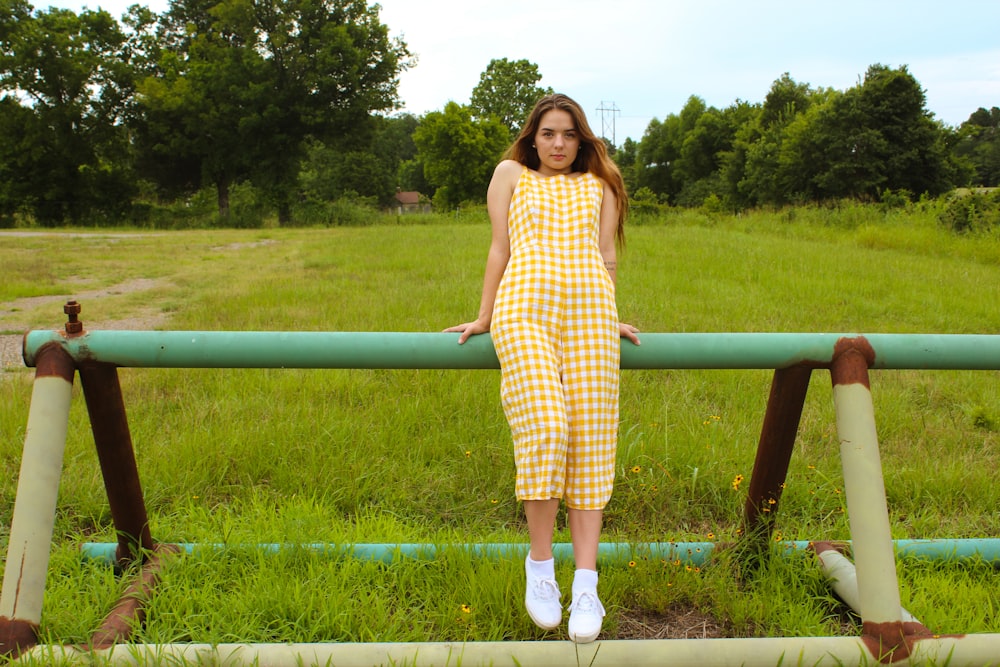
x=288 y=106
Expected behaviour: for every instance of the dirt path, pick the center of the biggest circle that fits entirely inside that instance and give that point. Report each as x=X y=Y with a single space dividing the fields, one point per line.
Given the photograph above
x=16 y=315
x=10 y=344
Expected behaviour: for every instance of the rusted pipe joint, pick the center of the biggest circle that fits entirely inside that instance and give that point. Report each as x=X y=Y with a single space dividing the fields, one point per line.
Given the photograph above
x=852 y=357
x=16 y=636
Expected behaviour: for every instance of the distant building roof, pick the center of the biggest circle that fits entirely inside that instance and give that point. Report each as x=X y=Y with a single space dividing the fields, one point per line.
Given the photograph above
x=407 y=198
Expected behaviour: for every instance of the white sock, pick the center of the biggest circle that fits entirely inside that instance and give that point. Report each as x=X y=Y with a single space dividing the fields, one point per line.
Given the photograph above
x=585 y=580
x=543 y=569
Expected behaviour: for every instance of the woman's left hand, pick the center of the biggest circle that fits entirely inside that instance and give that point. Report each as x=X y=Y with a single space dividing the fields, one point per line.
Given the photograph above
x=628 y=331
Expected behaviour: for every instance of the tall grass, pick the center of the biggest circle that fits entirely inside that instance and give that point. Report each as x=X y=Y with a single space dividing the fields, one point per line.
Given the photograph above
x=301 y=456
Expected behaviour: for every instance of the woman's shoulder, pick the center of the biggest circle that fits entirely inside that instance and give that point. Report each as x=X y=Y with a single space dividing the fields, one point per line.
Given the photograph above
x=508 y=172
x=509 y=168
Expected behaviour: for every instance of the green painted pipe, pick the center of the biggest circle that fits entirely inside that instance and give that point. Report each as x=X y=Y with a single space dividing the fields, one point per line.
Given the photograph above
x=690 y=553
x=301 y=349
x=685 y=552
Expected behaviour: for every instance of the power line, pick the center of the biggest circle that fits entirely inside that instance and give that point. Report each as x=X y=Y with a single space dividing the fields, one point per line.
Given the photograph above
x=608 y=114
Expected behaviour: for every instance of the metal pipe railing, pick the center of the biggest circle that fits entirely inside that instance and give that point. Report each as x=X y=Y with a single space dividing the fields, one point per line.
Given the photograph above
x=304 y=349
x=954 y=651
x=687 y=553
x=888 y=635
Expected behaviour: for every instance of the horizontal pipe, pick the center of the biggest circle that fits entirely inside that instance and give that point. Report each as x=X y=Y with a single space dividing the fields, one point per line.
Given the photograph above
x=686 y=552
x=691 y=553
x=954 y=651
x=303 y=349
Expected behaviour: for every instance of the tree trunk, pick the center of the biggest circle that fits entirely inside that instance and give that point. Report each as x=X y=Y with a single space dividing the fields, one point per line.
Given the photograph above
x=222 y=188
x=284 y=213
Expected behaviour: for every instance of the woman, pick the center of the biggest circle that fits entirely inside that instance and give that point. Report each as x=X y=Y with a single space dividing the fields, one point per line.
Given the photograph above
x=557 y=206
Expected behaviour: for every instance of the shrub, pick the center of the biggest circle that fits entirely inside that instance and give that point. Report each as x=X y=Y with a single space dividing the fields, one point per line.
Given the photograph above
x=972 y=212
x=895 y=199
x=247 y=209
x=644 y=204
x=344 y=212
x=712 y=205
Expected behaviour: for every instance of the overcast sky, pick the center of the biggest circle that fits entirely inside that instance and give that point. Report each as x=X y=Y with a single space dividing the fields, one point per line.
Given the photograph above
x=642 y=59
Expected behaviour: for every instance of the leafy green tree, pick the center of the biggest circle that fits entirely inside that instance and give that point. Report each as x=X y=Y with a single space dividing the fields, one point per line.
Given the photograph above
x=780 y=154
x=411 y=177
x=459 y=153
x=508 y=90
x=396 y=139
x=879 y=135
x=852 y=160
x=241 y=85
x=705 y=151
x=660 y=149
x=764 y=164
x=369 y=170
x=786 y=99
x=802 y=155
x=17 y=160
x=393 y=144
x=979 y=144
x=65 y=80
x=626 y=157
x=824 y=144
x=744 y=119
x=756 y=174
x=329 y=174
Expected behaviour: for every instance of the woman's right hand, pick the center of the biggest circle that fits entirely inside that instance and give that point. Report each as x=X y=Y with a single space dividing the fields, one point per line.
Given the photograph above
x=468 y=329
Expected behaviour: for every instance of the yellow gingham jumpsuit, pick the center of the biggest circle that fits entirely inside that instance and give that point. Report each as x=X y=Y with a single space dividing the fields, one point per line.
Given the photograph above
x=555 y=330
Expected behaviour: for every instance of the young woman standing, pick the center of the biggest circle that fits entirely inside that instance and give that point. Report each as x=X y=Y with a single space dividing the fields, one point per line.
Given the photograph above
x=557 y=206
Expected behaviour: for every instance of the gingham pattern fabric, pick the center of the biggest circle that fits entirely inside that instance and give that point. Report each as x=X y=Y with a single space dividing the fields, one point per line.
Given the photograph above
x=555 y=330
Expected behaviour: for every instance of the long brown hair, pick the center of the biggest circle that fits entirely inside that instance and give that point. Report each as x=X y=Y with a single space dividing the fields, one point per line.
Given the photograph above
x=592 y=156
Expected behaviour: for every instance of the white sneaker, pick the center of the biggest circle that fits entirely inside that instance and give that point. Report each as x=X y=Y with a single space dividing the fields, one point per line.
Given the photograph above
x=586 y=615
x=542 y=600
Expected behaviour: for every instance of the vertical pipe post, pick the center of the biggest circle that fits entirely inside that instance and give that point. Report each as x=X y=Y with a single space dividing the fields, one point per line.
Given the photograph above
x=33 y=520
x=868 y=513
x=116 y=455
x=777 y=440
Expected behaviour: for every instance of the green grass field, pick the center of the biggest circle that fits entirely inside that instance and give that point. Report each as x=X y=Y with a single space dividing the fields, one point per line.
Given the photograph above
x=305 y=456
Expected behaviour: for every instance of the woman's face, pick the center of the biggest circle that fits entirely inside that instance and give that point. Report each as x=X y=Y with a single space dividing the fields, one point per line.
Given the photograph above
x=557 y=143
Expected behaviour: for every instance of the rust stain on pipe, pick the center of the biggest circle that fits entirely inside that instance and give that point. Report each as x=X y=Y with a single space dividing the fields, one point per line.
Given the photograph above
x=887 y=642
x=53 y=361
x=16 y=636
x=894 y=641
x=130 y=611
x=852 y=357
x=822 y=546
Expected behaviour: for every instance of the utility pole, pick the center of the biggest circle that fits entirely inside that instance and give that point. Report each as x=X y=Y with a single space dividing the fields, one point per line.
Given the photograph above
x=608 y=113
